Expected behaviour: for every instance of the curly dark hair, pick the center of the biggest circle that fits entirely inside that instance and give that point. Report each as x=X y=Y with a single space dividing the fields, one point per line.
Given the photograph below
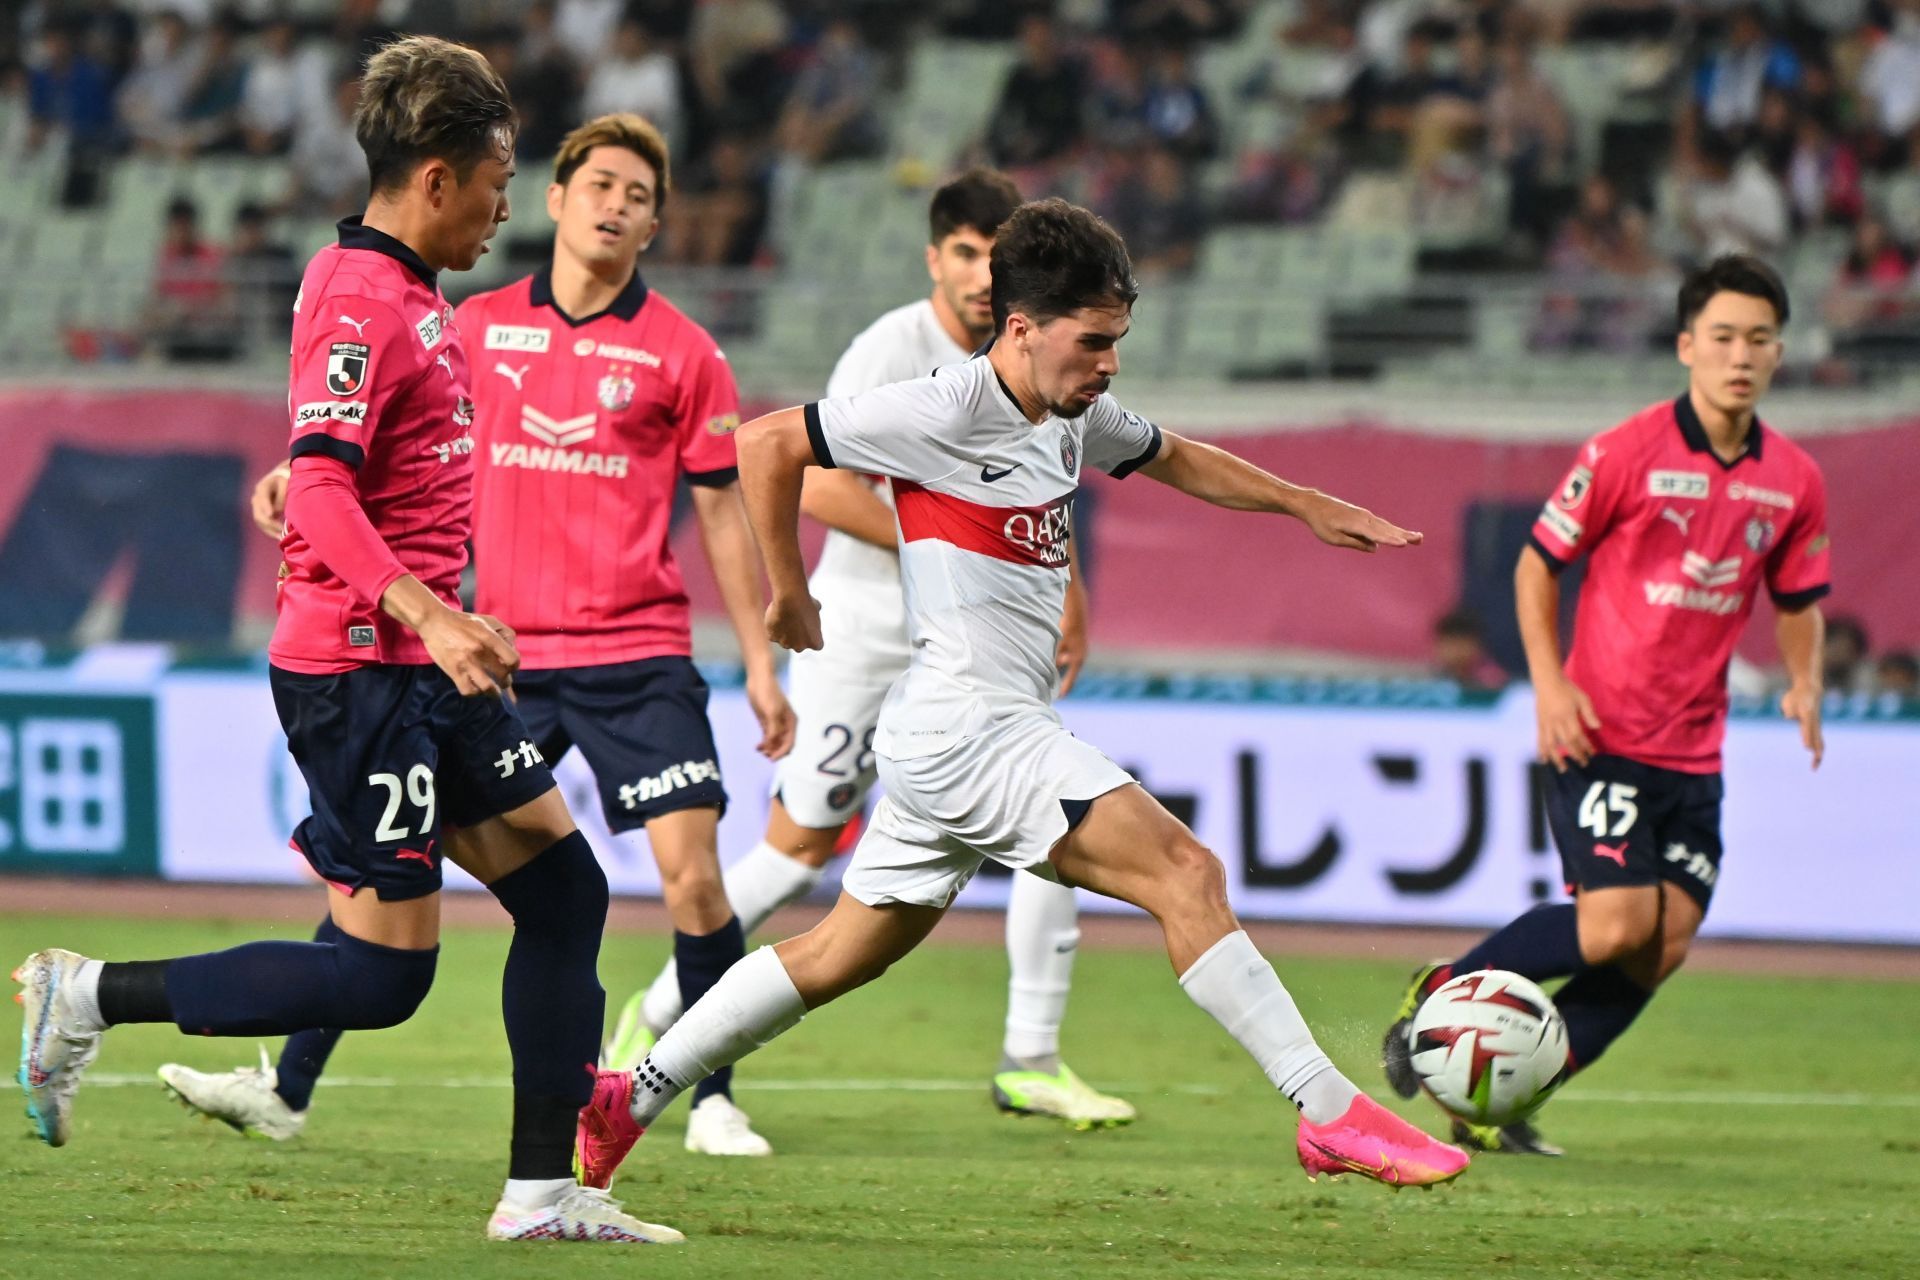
x=1052 y=258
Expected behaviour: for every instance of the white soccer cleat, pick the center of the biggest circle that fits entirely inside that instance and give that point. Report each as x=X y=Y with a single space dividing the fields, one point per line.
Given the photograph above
x=1062 y=1096
x=56 y=1045
x=242 y=1098
x=715 y=1127
x=585 y=1214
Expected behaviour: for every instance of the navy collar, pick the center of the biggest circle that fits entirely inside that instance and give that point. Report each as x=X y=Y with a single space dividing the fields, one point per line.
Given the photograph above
x=355 y=234
x=1694 y=432
x=626 y=304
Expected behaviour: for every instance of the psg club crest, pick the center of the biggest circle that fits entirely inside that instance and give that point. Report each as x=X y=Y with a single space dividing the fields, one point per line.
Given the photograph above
x=347 y=367
x=1069 y=455
x=1759 y=535
x=616 y=392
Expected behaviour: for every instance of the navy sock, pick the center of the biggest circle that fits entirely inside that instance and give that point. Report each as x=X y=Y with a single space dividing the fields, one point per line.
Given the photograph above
x=304 y=1056
x=134 y=991
x=277 y=988
x=551 y=999
x=701 y=959
x=1541 y=944
x=1598 y=1005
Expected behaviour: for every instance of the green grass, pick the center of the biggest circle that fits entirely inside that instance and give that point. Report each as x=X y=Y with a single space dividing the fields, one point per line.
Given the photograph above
x=398 y=1180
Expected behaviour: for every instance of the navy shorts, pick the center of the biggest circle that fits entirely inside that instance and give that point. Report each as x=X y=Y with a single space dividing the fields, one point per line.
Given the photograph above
x=642 y=727
x=391 y=754
x=1620 y=823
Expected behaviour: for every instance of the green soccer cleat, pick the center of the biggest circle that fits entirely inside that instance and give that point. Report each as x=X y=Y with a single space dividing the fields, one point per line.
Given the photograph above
x=1063 y=1096
x=1516 y=1139
x=1396 y=1049
x=632 y=1038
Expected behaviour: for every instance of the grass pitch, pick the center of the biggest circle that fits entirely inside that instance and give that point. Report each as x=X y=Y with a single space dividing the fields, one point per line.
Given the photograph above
x=1747 y=1127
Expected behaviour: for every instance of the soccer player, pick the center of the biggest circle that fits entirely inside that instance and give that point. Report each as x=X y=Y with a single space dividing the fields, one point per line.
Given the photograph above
x=595 y=396
x=1686 y=511
x=985 y=458
x=837 y=691
x=389 y=693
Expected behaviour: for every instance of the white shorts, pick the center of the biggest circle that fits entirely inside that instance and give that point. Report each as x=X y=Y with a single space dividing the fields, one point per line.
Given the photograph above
x=1000 y=793
x=836 y=692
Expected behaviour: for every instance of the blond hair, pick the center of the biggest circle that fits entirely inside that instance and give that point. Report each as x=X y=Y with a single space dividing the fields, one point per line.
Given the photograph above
x=619 y=129
x=424 y=98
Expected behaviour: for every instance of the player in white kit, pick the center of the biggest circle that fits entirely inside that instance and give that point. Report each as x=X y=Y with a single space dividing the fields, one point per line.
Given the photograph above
x=837 y=690
x=985 y=458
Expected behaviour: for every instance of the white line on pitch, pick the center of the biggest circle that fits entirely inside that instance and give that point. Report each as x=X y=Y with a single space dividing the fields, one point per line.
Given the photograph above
x=1633 y=1097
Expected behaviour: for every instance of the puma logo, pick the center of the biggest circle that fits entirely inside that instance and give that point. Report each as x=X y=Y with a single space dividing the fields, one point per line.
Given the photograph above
x=444 y=363
x=512 y=375
x=1613 y=853
x=1682 y=519
x=417 y=855
x=359 y=326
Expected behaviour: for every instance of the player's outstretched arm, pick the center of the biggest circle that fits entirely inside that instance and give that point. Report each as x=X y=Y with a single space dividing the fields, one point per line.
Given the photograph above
x=774 y=454
x=1216 y=476
x=736 y=569
x=1802 y=634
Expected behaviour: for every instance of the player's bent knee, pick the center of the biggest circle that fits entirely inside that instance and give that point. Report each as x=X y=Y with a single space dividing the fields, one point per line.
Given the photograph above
x=380 y=986
x=562 y=890
x=1197 y=873
x=1615 y=939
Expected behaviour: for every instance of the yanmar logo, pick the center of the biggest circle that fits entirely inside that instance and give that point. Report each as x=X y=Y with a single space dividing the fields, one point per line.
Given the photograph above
x=1709 y=573
x=456 y=448
x=1672 y=595
x=555 y=452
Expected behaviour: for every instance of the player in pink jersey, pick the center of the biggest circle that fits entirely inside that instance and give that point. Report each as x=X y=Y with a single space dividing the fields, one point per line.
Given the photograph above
x=985 y=458
x=1688 y=511
x=594 y=397
x=391 y=696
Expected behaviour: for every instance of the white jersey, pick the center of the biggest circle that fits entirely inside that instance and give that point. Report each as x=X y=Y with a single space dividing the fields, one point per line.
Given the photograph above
x=907 y=342
x=984 y=503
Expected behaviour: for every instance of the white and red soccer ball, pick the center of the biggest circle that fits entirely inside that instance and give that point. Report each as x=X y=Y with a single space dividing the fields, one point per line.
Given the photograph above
x=1489 y=1046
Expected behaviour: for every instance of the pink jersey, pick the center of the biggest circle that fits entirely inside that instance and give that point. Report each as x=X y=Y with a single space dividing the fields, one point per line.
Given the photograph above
x=378 y=381
x=1679 y=547
x=583 y=428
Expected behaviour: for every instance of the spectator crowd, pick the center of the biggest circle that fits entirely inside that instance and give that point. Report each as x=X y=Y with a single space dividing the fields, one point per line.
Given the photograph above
x=1742 y=124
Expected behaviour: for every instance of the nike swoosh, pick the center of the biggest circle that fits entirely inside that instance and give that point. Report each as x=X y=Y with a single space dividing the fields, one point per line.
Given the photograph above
x=988 y=474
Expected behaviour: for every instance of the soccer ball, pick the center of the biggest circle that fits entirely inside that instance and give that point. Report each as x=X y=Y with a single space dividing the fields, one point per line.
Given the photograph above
x=1489 y=1046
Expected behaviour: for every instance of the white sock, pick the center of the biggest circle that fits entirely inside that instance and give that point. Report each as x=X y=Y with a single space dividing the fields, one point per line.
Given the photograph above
x=1235 y=984
x=752 y=1003
x=535 y=1193
x=83 y=995
x=1043 y=935
x=757 y=885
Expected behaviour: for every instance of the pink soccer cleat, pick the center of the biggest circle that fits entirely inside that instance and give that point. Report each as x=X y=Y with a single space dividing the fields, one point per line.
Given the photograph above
x=606 y=1131
x=1375 y=1143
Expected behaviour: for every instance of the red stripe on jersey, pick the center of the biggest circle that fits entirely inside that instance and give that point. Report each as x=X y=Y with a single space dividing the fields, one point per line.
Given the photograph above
x=1018 y=535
